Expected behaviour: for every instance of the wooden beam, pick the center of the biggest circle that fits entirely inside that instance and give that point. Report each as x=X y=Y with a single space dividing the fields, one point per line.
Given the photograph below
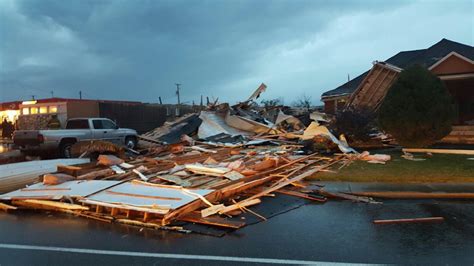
x=6 y=207
x=195 y=217
x=440 y=151
x=49 y=205
x=414 y=195
x=140 y=195
x=412 y=220
x=299 y=195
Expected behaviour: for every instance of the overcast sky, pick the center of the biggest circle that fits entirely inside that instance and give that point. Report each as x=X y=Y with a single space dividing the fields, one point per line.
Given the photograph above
x=138 y=49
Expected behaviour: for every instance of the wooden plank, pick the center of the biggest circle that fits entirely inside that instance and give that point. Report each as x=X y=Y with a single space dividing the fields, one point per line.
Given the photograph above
x=211 y=210
x=45 y=189
x=6 y=207
x=411 y=220
x=69 y=169
x=49 y=205
x=195 y=217
x=174 y=179
x=96 y=174
x=414 y=195
x=140 y=195
x=346 y=196
x=440 y=151
x=240 y=205
x=299 y=195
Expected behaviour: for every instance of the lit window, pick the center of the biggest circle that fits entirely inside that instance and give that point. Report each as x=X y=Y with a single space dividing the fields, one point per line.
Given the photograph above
x=43 y=109
x=53 y=109
x=26 y=111
x=34 y=110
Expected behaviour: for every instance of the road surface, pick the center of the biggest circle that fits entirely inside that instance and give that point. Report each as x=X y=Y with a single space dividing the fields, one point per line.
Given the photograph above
x=337 y=232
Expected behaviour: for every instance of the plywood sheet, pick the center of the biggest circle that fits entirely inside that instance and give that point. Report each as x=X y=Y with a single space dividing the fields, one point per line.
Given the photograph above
x=71 y=189
x=142 y=195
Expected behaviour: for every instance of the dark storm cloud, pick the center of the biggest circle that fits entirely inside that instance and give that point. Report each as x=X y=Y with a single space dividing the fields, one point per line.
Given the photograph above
x=138 y=49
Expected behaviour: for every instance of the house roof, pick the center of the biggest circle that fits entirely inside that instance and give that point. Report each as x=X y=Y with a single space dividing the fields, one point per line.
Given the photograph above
x=425 y=57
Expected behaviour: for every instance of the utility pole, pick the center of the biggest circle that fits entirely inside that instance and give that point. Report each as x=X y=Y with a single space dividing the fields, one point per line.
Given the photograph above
x=33 y=97
x=348 y=77
x=201 y=100
x=177 y=92
x=80 y=95
x=52 y=94
x=159 y=98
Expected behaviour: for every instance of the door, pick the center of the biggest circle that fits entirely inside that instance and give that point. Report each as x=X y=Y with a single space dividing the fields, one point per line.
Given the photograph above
x=105 y=129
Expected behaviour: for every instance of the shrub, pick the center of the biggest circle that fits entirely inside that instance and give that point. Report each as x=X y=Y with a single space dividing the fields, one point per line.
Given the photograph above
x=356 y=125
x=418 y=109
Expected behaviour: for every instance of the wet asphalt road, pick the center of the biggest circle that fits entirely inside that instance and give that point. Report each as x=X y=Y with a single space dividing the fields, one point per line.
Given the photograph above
x=337 y=231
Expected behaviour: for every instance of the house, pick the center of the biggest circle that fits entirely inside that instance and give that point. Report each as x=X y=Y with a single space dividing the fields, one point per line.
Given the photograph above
x=451 y=61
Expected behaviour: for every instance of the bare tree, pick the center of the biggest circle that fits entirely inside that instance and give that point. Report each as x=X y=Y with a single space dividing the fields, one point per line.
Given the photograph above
x=303 y=101
x=272 y=102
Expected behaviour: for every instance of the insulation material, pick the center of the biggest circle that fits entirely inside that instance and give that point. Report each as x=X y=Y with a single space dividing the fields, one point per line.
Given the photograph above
x=248 y=125
x=314 y=129
x=318 y=117
x=214 y=124
x=291 y=120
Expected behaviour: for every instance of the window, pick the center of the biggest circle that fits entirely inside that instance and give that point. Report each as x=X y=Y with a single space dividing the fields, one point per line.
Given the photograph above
x=43 y=109
x=104 y=124
x=25 y=111
x=53 y=109
x=78 y=124
x=34 y=110
x=107 y=124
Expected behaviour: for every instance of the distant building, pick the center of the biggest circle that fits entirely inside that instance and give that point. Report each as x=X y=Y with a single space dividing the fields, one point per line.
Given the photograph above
x=35 y=114
x=451 y=61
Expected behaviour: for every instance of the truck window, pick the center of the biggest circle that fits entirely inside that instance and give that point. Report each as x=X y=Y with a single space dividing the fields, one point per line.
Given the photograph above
x=103 y=124
x=77 y=124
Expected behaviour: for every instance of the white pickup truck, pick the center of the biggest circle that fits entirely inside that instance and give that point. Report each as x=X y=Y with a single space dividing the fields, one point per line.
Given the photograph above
x=77 y=129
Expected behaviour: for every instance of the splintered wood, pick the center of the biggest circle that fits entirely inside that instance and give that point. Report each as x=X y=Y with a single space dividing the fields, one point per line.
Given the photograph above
x=202 y=185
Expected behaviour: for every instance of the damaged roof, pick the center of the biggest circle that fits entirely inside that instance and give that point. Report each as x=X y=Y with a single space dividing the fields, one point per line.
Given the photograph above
x=424 y=57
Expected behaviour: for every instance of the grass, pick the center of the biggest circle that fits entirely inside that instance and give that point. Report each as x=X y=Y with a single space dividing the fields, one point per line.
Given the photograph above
x=438 y=168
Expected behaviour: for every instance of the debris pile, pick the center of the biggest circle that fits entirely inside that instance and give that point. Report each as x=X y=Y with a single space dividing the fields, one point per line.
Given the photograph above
x=205 y=168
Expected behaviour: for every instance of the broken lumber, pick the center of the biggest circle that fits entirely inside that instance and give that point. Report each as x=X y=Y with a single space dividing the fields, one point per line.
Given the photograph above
x=6 y=207
x=300 y=195
x=346 y=196
x=95 y=174
x=440 y=151
x=412 y=220
x=195 y=217
x=414 y=195
x=49 y=205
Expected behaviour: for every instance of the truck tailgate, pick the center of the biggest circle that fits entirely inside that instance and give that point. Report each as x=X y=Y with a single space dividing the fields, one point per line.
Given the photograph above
x=26 y=137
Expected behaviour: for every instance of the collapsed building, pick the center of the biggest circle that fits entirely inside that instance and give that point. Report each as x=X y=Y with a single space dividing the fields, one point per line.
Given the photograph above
x=452 y=62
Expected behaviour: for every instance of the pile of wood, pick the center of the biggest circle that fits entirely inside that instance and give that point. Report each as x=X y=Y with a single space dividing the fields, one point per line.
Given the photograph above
x=175 y=184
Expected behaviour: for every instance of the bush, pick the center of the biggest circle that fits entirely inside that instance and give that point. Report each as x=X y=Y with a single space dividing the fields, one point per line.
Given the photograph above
x=355 y=125
x=418 y=109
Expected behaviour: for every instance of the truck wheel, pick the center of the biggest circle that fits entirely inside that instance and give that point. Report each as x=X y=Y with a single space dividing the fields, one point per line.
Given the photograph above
x=65 y=150
x=131 y=142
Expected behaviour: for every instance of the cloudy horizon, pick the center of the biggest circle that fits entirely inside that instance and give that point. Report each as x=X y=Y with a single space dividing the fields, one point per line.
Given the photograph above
x=138 y=49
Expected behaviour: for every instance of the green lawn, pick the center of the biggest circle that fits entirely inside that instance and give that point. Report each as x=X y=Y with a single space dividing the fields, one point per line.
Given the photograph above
x=438 y=168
